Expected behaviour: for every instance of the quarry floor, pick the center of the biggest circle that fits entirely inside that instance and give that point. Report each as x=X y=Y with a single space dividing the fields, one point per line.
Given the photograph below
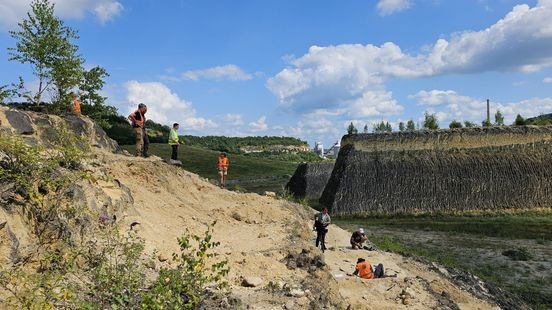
x=481 y=255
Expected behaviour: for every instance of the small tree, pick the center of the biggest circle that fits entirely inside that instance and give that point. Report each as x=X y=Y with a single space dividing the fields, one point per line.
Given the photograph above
x=5 y=93
x=365 y=128
x=382 y=127
x=401 y=127
x=499 y=118
x=455 y=124
x=352 y=129
x=486 y=123
x=519 y=121
x=469 y=124
x=410 y=125
x=91 y=84
x=44 y=42
x=430 y=121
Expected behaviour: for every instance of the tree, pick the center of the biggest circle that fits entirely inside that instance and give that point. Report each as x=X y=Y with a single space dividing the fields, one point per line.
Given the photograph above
x=430 y=121
x=520 y=121
x=486 y=123
x=351 y=129
x=499 y=118
x=410 y=125
x=455 y=124
x=44 y=42
x=382 y=127
x=469 y=124
x=5 y=93
x=366 y=128
x=91 y=83
x=402 y=127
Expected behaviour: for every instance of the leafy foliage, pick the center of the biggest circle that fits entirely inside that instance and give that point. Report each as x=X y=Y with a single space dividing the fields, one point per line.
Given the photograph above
x=402 y=127
x=430 y=121
x=183 y=287
x=44 y=42
x=236 y=144
x=499 y=118
x=519 y=121
x=410 y=125
x=382 y=127
x=455 y=124
x=351 y=130
x=469 y=124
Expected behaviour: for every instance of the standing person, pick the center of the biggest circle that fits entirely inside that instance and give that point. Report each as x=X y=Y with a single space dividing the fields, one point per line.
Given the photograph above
x=76 y=104
x=321 y=222
x=174 y=141
x=138 y=121
x=223 y=168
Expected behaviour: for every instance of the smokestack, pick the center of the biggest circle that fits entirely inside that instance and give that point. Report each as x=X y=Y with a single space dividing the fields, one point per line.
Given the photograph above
x=488 y=113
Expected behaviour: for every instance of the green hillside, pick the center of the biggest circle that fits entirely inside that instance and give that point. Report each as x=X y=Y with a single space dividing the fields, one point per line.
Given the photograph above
x=248 y=173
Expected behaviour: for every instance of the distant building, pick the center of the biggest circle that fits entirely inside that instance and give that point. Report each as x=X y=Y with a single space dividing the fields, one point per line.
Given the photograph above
x=319 y=148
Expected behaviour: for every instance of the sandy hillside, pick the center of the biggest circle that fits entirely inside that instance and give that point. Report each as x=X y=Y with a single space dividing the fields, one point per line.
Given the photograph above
x=262 y=237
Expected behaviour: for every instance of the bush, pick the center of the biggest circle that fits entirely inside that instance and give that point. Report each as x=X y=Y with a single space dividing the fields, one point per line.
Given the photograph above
x=455 y=124
x=183 y=287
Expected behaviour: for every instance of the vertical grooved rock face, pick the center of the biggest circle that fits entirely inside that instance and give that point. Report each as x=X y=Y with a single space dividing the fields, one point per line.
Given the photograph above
x=309 y=180
x=445 y=170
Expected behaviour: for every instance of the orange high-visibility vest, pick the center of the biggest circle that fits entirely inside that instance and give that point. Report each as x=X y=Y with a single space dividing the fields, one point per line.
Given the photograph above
x=76 y=106
x=365 y=270
x=223 y=162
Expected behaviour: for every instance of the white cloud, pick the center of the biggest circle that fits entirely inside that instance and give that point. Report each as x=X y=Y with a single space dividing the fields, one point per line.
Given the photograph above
x=12 y=11
x=226 y=72
x=350 y=78
x=234 y=119
x=547 y=80
x=259 y=125
x=386 y=7
x=164 y=106
x=450 y=105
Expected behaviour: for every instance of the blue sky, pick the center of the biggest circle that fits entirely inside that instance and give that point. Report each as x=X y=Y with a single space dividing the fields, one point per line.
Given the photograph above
x=308 y=68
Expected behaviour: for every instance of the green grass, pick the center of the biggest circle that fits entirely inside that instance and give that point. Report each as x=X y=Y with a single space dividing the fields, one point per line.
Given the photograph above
x=527 y=225
x=250 y=173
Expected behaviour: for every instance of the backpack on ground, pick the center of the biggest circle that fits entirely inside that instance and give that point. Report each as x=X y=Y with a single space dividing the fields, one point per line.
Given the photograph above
x=378 y=271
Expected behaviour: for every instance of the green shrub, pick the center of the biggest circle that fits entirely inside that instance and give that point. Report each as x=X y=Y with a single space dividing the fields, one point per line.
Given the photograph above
x=184 y=286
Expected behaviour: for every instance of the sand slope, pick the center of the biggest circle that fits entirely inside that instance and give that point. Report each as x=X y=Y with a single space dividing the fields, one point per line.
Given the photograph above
x=258 y=233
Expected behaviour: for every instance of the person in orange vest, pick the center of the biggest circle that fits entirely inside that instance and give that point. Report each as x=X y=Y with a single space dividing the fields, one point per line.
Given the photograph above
x=76 y=105
x=138 y=122
x=364 y=270
x=223 y=168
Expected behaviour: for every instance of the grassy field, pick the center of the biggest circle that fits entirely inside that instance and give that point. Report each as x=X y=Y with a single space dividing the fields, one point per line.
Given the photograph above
x=245 y=173
x=478 y=244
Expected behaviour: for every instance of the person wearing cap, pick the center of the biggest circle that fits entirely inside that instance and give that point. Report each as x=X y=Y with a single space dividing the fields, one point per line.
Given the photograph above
x=223 y=168
x=358 y=238
x=138 y=122
x=174 y=141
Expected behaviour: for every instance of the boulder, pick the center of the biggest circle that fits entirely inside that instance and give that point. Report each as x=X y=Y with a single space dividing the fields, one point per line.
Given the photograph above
x=20 y=122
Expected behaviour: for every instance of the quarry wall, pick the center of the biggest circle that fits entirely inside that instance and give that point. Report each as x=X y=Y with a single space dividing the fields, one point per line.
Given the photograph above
x=444 y=170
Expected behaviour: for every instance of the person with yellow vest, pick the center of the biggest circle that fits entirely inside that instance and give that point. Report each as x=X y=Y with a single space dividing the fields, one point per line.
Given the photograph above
x=364 y=270
x=174 y=141
x=138 y=122
x=223 y=164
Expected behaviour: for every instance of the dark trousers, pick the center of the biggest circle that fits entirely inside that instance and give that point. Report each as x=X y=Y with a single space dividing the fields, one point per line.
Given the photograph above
x=174 y=154
x=321 y=238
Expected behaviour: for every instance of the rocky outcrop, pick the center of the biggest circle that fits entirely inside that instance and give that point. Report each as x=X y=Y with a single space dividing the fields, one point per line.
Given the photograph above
x=39 y=128
x=309 y=180
x=445 y=170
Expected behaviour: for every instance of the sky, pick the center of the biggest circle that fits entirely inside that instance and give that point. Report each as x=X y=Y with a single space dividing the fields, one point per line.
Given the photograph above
x=308 y=68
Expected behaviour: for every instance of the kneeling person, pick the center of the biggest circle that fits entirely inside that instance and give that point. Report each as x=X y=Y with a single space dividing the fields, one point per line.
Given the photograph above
x=357 y=239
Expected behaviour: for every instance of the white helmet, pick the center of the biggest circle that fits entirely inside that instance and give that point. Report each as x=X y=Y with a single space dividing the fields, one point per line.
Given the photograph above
x=361 y=230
